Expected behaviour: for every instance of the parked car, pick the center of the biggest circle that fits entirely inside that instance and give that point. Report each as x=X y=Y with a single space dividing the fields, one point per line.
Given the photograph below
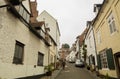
x=79 y=63
x=71 y=60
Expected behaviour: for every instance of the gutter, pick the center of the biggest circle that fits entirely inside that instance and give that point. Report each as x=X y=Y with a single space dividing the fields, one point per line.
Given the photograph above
x=2 y=6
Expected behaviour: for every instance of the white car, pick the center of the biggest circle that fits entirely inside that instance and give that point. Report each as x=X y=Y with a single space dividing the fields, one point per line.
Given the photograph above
x=79 y=63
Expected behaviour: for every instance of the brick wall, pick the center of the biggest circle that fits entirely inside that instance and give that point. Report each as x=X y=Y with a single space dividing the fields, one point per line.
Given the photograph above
x=34 y=11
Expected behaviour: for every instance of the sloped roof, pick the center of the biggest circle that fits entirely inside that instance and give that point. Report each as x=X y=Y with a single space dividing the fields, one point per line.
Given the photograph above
x=82 y=37
x=101 y=6
x=38 y=25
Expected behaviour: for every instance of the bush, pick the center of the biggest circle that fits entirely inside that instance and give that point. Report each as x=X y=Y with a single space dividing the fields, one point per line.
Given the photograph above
x=49 y=69
x=107 y=76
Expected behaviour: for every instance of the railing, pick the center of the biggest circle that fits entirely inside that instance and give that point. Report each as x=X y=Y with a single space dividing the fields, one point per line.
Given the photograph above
x=18 y=9
x=23 y=12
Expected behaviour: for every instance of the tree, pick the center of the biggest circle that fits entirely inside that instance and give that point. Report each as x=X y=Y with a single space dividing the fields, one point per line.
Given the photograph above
x=84 y=52
x=66 y=45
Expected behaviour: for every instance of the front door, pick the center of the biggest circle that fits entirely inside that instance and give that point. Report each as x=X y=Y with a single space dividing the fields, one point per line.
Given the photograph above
x=117 y=60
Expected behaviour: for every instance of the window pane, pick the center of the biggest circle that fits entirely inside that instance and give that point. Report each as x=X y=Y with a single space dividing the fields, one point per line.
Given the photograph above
x=111 y=28
x=21 y=11
x=18 y=55
x=20 y=52
x=40 y=59
x=114 y=27
x=27 y=17
x=104 y=59
x=111 y=22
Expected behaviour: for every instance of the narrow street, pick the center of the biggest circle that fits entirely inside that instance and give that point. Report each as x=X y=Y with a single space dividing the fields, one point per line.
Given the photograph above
x=72 y=72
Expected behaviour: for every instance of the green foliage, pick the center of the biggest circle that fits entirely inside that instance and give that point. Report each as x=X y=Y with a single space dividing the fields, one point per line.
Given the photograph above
x=107 y=76
x=49 y=67
x=66 y=45
x=84 y=51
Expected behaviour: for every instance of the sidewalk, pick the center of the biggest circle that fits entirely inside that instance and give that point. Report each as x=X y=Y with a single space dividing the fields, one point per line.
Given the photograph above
x=93 y=74
x=54 y=74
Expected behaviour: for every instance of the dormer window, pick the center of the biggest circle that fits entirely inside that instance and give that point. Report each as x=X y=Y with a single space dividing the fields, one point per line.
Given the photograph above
x=40 y=27
x=97 y=8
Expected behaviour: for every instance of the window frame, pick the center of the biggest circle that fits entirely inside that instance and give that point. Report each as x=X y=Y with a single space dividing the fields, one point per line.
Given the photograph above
x=39 y=62
x=23 y=12
x=18 y=56
x=103 y=58
x=111 y=23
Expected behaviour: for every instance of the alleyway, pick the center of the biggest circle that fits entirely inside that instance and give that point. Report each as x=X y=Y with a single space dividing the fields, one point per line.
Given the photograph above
x=72 y=72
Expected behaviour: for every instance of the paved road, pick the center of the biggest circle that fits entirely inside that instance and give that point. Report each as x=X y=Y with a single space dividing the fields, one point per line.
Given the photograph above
x=72 y=72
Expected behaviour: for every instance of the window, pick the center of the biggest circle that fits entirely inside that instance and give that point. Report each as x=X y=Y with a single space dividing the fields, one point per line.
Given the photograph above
x=98 y=37
x=40 y=59
x=18 y=55
x=103 y=57
x=23 y=12
x=111 y=22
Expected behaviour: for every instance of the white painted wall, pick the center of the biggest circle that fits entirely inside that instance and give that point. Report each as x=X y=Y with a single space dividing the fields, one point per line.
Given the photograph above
x=52 y=24
x=54 y=30
x=89 y=41
x=78 y=48
x=12 y=29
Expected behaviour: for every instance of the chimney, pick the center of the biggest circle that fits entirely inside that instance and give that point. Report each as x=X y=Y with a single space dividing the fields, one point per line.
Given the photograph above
x=34 y=11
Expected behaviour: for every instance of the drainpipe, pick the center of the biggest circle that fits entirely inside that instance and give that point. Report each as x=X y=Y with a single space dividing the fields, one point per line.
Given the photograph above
x=95 y=45
x=56 y=45
x=79 y=49
x=48 y=55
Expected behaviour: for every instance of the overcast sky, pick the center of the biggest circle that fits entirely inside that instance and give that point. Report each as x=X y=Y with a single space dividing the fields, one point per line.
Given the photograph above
x=70 y=14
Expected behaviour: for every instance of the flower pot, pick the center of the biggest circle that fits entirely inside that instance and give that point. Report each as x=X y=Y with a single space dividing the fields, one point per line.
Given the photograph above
x=88 y=67
x=49 y=73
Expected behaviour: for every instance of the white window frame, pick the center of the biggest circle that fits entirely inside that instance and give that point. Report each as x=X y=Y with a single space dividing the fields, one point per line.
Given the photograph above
x=111 y=23
x=103 y=58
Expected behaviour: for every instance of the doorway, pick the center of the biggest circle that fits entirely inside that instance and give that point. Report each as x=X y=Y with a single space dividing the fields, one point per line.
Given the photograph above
x=117 y=61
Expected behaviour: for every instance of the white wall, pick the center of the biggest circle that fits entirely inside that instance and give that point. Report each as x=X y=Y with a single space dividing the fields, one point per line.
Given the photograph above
x=11 y=30
x=89 y=41
x=52 y=24
x=54 y=30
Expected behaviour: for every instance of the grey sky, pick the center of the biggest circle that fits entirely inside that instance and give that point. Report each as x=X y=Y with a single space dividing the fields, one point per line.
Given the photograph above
x=70 y=14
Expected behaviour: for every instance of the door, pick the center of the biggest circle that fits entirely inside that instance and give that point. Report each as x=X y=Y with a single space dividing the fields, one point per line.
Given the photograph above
x=117 y=61
x=118 y=58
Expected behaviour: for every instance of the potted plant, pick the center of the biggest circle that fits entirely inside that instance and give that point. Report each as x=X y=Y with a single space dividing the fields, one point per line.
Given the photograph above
x=88 y=67
x=49 y=70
